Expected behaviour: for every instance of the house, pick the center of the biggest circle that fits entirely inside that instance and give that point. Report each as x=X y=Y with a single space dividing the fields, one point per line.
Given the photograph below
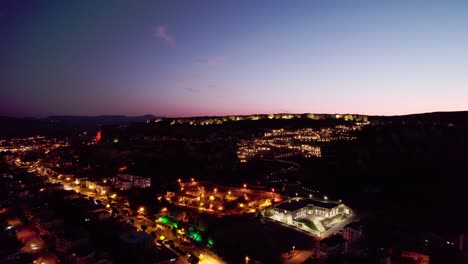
x=417 y=258
x=352 y=231
x=66 y=241
x=330 y=246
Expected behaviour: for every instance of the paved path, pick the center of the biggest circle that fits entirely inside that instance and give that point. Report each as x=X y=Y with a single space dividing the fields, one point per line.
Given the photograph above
x=298 y=257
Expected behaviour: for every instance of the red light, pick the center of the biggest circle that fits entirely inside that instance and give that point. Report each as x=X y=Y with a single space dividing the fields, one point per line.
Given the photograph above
x=98 y=136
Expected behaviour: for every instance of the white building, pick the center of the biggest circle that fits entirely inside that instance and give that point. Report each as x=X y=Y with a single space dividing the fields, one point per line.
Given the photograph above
x=129 y=181
x=300 y=208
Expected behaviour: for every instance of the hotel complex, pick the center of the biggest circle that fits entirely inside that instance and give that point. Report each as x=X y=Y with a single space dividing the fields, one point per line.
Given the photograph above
x=313 y=216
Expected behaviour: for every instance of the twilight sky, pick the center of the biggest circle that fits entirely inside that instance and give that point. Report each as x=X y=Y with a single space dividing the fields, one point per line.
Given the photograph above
x=188 y=58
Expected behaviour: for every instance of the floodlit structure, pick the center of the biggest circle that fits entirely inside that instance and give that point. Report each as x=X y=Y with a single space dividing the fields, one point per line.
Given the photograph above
x=310 y=215
x=299 y=208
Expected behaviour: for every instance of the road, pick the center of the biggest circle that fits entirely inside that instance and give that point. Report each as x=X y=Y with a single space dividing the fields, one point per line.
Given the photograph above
x=211 y=260
x=138 y=219
x=298 y=257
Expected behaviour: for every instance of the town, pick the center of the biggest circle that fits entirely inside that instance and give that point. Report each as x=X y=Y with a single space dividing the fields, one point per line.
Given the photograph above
x=66 y=207
x=233 y=132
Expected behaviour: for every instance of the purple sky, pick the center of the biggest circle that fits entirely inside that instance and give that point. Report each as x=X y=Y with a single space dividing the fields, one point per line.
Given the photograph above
x=189 y=58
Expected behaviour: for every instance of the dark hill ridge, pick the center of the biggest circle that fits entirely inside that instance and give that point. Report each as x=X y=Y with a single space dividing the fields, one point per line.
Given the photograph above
x=25 y=127
x=62 y=126
x=69 y=125
x=100 y=120
x=442 y=118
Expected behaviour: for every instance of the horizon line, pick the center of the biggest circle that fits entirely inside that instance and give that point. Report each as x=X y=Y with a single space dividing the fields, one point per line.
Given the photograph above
x=200 y=116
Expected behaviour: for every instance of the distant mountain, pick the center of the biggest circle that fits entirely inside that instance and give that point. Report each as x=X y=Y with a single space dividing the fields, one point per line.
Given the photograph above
x=25 y=127
x=66 y=126
x=62 y=126
x=100 y=120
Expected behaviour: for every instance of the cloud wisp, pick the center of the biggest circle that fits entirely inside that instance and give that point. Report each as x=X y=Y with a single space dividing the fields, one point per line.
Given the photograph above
x=192 y=90
x=210 y=61
x=161 y=32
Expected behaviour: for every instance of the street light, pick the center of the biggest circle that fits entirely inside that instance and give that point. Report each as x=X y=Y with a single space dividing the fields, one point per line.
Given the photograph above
x=245 y=185
x=247 y=259
x=272 y=190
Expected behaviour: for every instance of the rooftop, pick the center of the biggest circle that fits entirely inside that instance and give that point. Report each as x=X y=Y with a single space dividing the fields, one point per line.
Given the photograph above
x=324 y=204
x=293 y=204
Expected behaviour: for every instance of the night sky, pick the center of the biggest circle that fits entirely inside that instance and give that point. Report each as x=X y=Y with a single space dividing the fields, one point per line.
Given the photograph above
x=189 y=58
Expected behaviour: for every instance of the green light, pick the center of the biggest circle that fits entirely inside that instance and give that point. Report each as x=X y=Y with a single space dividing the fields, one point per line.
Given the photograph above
x=195 y=236
x=169 y=221
x=165 y=220
x=210 y=242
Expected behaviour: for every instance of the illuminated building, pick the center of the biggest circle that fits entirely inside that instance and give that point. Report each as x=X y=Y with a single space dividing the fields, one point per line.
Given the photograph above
x=309 y=215
x=299 y=207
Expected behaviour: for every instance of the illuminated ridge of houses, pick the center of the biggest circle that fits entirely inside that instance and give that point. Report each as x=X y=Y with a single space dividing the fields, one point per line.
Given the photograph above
x=281 y=143
x=31 y=143
x=218 y=120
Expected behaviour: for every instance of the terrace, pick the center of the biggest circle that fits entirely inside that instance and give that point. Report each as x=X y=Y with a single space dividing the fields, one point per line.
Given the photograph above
x=221 y=200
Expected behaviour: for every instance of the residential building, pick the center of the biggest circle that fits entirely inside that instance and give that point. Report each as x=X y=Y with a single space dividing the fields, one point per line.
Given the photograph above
x=330 y=246
x=417 y=258
x=352 y=232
